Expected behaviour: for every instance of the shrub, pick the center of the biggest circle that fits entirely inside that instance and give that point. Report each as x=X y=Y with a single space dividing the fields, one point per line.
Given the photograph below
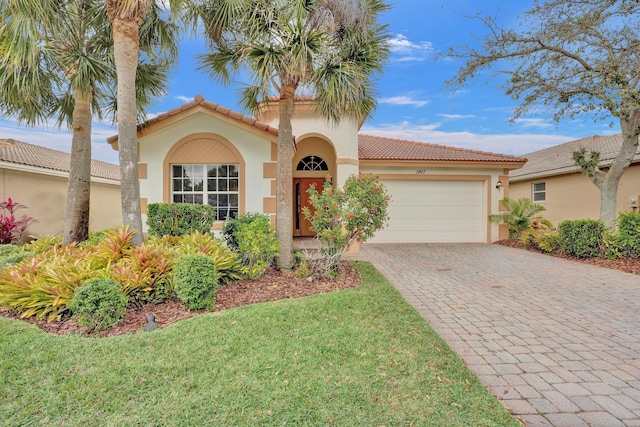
x=178 y=219
x=628 y=236
x=196 y=281
x=99 y=304
x=43 y=244
x=12 y=228
x=12 y=254
x=232 y=225
x=227 y=262
x=582 y=238
x=550 y=241
x=258 y=246
x=342 y=217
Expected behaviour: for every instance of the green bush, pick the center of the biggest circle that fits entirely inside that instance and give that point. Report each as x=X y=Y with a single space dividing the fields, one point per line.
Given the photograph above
x=98 y=303
x=582 y=238
x=227 y=262
x=550 y=241
x=178 y=219
x=628 y=236
x=12 y=254
x=232 y=225
x=196 y=281
x=258 y=246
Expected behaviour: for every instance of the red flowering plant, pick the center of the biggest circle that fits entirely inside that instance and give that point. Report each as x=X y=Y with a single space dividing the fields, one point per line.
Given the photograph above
x=342 y=217
x=11 y=228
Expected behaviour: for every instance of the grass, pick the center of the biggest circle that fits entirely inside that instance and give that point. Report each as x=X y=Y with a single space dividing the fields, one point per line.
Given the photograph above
x=359 y=357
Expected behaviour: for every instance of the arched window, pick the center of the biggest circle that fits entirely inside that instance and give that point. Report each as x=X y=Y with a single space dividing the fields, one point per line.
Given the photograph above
x=312 y=163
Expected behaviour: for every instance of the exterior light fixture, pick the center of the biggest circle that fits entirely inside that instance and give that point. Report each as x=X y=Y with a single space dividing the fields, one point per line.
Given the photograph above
x=499 y=185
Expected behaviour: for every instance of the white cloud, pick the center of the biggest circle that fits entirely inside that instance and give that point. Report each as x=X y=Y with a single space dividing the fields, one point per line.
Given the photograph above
x=184 y=99
x=403 y=100
x=534 y=123
x=457 y=116
x=509 y=143
x=408 y=50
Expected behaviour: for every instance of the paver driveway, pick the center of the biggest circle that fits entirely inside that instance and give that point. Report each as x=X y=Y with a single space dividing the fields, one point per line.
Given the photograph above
x=558 y=341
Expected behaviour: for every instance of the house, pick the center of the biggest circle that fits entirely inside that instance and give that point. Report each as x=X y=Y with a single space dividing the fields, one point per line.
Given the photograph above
x=202 y=152
x=551 y=179
x=37 y=177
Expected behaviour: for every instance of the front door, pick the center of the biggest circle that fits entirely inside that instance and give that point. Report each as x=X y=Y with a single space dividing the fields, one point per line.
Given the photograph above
x=302 y=226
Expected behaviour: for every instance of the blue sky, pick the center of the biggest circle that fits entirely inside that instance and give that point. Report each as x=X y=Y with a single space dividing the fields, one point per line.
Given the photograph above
x=413 y=102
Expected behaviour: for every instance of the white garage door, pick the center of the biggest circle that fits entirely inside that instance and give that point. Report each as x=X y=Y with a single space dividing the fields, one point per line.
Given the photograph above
x=424 y=211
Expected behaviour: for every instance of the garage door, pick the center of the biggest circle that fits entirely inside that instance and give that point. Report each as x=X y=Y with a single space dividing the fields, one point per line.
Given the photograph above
x=424 y=211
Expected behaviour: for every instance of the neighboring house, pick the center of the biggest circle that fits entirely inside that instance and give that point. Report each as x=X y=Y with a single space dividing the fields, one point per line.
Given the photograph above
x=37 y=177
x=551 y=179
x=202 y=152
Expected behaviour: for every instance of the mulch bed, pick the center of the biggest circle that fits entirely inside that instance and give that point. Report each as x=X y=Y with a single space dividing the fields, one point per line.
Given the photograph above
x=628 y=265
x=272 y=286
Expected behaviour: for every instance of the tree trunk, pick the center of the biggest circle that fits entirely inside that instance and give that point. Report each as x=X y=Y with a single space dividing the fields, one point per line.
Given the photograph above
x=125 y=47
x=284 y=189
x=76 y=226
x=609 y=186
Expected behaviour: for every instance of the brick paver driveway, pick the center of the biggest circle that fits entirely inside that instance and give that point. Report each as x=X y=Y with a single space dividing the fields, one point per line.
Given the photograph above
x=557 y=341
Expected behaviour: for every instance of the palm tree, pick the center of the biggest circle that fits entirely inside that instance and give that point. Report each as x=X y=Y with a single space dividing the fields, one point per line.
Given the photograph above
x=57 y=61
x=127 y=19
x=329 y=48
x=521 y=215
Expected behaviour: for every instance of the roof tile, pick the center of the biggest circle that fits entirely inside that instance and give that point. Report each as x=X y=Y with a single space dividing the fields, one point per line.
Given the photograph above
x=372 y=147
x=19 y=152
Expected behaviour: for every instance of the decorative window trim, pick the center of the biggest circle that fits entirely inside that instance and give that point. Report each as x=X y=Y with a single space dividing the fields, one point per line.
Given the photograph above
x=217 y=184
x=539 y=192
x=312 y=163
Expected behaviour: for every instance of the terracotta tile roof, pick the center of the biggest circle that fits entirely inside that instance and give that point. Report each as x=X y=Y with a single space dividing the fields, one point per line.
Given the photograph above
x=379 y=148
x=558 y=159
x=198 y=100
x=21 y=153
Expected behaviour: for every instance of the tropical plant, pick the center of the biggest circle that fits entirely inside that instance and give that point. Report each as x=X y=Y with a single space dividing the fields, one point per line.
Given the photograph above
x=196 y=281
x=328 y=48
x=570 y=58
x=227 y=261
x=57 y=60
x=129 y=29
x=98 y=304
x=582 y=238
x=11 y=228
x=520 y=215
x=231 y=226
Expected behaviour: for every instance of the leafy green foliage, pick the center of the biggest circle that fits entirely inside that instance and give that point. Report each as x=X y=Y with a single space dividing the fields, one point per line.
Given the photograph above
x=43 y=244
x=521 y=215
x=628 y=235
x=98 y=304
x=257 y=245
x=232 y=225
x=582 y=238
x=178 y=219
x=542 y=239
x=12 y=254
x=196 y=281
x=352 y=214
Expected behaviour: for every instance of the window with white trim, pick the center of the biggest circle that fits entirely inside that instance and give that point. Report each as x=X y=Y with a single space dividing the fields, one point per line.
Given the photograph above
x=215 y=184
x=312 y=163
x=539 y=192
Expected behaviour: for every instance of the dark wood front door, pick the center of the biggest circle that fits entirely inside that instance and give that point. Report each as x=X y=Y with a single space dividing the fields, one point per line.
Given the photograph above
x=302 y=226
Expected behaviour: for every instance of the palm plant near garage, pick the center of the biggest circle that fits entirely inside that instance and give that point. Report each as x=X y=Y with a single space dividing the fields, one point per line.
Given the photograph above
x=521 y=214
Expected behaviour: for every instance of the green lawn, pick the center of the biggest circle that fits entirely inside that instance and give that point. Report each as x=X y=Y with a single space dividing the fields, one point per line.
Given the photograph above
x=360 y=357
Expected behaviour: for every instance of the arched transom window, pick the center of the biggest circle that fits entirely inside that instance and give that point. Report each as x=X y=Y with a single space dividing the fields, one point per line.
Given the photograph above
x=312 y=163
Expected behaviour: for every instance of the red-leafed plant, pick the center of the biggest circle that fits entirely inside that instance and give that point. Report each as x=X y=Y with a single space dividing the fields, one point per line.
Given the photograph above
x=12 y=228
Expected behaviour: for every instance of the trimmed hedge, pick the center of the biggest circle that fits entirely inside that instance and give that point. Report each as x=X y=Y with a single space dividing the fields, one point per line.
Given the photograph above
x=98 y=303
x=628 y=238
x=178 y=219
x=582 y=238
x=196 y=281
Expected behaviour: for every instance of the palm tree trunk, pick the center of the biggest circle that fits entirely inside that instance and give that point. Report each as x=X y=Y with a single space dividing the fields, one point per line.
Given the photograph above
x=125 y=47
x=284 y=189
x=76 y=227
